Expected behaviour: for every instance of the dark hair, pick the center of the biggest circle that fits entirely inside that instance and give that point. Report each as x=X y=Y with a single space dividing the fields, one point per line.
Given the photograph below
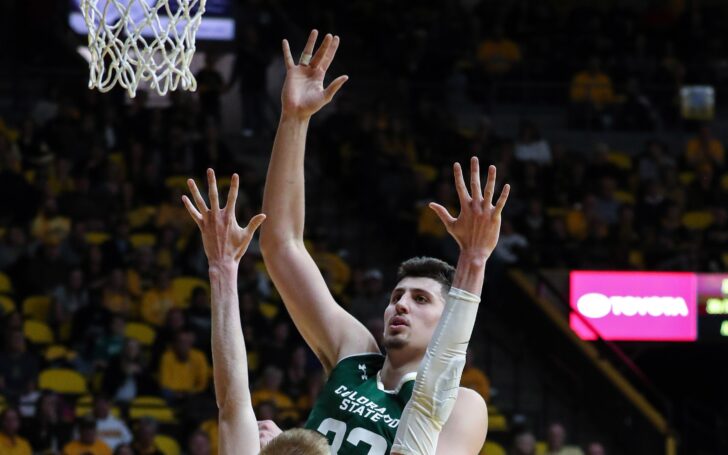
x=427 y=267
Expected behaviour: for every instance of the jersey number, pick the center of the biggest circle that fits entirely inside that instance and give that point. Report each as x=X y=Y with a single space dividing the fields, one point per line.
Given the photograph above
x=377 y=444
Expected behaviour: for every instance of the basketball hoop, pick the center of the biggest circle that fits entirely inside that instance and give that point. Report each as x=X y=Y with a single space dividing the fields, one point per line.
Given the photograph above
x=142 y=40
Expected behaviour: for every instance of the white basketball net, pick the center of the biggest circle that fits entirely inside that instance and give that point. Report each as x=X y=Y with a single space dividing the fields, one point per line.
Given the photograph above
x=142 y=40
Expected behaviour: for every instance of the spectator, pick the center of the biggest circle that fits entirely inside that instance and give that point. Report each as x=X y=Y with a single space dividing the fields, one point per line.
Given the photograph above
x=199 y=444
x=124 y=449
x=158 y=300
x=595 y=448
x=10 y=442
x=530 y=146
x=116 y=298
x=175 y=322
x=474 y=378
x=498 y=55
x=18 y=366
x=269 y=391
x=512 y=246
x=592 y=97
x=87 y=443
x=146 y=431
x=126 y=377
x=183 y=370
x=13 y=246
x=200 y=318
x=47 y=431
x=210 y=85
x=704 y=149
x=68 y=299
x=111 y=343
x=523 y=444
x=112 y=430
x=277 y=349
x=556 y=438
x=250 y=70
x=371 y=297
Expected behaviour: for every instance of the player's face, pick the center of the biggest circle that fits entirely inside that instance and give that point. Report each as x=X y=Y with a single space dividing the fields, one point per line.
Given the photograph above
x=414 y=310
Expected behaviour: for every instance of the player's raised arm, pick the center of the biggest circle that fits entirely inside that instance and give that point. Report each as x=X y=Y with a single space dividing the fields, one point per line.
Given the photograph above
x=225 y=242
x=438 y=416
x=328 y=329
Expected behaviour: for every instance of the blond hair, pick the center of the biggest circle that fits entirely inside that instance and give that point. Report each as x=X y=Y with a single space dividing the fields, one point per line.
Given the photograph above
x=297 y=441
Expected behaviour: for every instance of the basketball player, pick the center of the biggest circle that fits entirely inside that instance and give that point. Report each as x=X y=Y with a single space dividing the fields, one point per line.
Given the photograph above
x=361 y=405
x=225 y=242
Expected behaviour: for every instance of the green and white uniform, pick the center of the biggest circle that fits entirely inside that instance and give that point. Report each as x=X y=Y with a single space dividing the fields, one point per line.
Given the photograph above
x=355 y=412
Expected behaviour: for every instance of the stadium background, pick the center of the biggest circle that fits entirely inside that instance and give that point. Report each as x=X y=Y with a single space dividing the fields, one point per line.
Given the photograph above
x=576 y=103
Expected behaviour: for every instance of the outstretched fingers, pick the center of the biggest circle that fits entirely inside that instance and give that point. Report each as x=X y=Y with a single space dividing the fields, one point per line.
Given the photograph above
x=442 y=213
x=287 y=57
x=212 y=190
x=322 y=50
x=334 y=87
x=460 y=186
x=232 y=195
x=330 y=54
x=255 y=223
x=489 y=185
x=475 y=180
x=199 y=201
x=310 y=44
x=197 y=216
x=502 y=199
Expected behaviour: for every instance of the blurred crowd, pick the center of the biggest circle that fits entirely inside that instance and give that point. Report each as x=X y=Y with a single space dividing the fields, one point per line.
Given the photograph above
x=95 y=243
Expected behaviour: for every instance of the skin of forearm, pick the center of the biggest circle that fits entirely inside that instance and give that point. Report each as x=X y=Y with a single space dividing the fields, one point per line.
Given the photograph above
x=283 y=198
x=229 y=357
x=470 y=271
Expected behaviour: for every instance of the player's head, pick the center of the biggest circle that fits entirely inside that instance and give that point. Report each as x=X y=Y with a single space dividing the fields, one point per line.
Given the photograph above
x=297 y=441
x=416 y=303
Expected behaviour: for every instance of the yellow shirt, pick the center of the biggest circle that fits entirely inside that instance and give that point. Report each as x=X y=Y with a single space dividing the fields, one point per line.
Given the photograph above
x=498 y=56
x=156 y=303
x=473 y=378
x=698 y=152
x=592 y=88
x=283 y=402
x=117 y=303
x=19 y=446
x=99 y=447
x=190 y=376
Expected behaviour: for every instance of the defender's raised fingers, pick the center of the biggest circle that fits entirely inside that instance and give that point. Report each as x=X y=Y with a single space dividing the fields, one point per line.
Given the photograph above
x=310 y=45
x=502 y=199
x=330 y=54
x=334 y=87
x=475 y=179
x=192 y=210
x=255 y=223
x=287 y=57
x=199 y=201
x=212 y=190
x=489 y=185
x=460 y=187
x=232 y=194
x=322 y=50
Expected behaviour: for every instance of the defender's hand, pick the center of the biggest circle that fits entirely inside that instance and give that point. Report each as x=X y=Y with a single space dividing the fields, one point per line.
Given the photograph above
x=477 y=227
x=303 y=91
x=224 y=240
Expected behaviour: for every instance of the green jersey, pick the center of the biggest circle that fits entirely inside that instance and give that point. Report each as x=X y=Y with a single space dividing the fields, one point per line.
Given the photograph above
x=355 y=412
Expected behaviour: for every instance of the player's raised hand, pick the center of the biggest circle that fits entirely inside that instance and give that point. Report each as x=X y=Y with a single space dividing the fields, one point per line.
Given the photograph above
x=477 y=227
x=303 y=91
x=224 y=240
